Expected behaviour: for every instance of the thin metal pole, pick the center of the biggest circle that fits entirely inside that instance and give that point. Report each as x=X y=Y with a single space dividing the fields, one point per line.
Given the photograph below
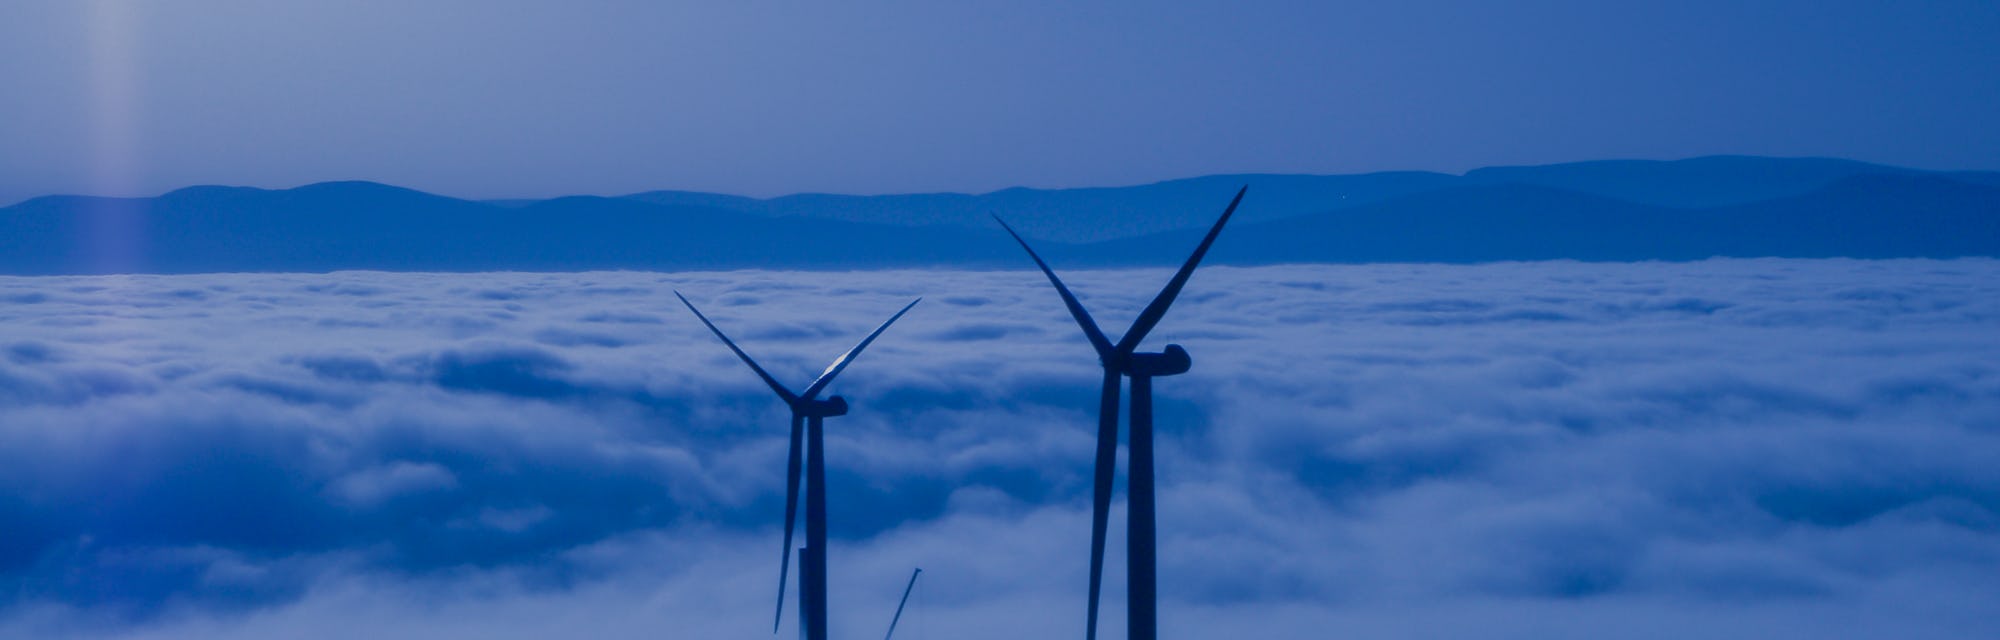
x=803 y=589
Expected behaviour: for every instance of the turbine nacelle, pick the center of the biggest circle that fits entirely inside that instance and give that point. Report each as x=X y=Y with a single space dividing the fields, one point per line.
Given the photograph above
x=830 y=407
x=1173 y=361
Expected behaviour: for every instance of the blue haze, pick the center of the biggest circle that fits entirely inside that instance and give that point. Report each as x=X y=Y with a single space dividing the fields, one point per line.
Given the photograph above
x=336 y=320
x=514 y=98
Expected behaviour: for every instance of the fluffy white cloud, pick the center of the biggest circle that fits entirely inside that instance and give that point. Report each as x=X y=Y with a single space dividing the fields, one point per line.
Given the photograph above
x=1747 y=448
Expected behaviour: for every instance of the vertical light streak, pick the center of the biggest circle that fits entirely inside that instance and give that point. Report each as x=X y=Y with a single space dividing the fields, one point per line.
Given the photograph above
x=114 y=232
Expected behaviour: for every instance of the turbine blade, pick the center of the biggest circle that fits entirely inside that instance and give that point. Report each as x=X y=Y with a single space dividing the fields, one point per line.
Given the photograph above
x=1151 y=316
x=1090 y=330
x=826 y=377
x=773 y=382
x=1107 y=468
x=899 y=605
x=791 y=513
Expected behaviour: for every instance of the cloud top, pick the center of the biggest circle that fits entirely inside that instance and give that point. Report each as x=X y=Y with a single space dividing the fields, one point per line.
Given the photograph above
x=1730 y=447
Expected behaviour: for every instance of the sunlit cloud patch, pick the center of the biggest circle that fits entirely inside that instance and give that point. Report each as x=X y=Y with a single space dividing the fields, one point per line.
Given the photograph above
x=1747 y=448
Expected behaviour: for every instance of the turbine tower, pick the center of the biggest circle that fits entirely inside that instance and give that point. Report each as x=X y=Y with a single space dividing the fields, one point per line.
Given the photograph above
x=1121 y=359
x=808 y=416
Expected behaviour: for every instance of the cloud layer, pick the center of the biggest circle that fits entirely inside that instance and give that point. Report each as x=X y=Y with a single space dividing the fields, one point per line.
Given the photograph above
x=1760 y=448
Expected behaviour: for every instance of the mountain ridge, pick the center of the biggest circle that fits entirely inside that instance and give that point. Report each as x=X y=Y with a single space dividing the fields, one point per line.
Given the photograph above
x=1603 y=210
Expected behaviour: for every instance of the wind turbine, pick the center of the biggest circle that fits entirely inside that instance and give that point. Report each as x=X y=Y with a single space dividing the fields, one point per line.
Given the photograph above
x=1121 y=359
x=808 y=415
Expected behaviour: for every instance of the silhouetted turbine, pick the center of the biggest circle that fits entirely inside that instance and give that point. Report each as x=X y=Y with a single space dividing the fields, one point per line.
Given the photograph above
x=1120 y=359
x=809 y=413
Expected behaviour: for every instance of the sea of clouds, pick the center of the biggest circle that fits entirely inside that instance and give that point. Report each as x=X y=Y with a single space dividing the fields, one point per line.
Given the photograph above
x=1728 y=448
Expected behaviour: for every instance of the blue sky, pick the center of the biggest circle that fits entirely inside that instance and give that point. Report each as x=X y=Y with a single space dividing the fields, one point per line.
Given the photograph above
x=504 y=99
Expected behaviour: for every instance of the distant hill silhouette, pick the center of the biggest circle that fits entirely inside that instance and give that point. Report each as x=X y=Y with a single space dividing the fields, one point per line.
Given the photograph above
x=1696 y=182
x=1085 y=215
x=1868 y=216
x=360 y=225
x=1613 y=210
x=1095 y=214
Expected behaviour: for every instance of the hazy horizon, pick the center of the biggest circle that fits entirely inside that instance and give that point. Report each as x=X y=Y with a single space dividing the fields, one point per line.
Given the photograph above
x=1460 y=172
